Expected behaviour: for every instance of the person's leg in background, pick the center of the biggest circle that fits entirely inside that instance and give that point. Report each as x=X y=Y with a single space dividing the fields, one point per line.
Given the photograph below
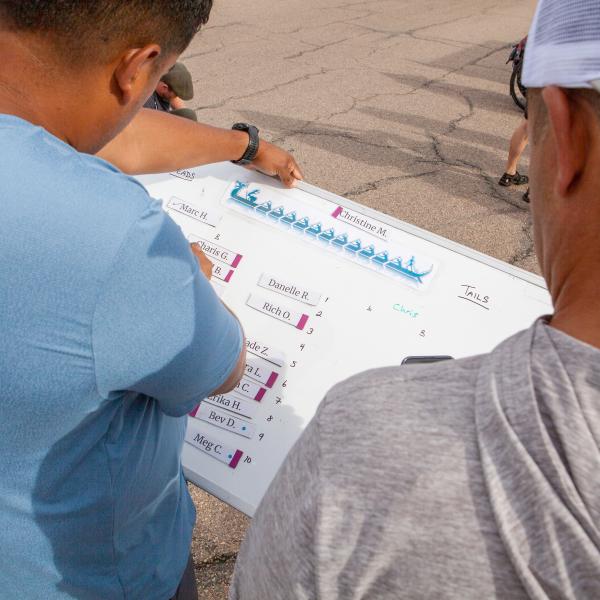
x=518 y=143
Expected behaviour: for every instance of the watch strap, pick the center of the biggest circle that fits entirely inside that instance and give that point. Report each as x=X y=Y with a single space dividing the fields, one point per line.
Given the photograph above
x=253 y=143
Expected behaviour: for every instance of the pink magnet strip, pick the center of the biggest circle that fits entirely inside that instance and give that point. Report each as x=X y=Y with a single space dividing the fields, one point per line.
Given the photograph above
x=236 y=459
x=193 y=413
x=272 y=379
x=260 y=394
x=237 y=260
x=337 y=212
x=302 y=322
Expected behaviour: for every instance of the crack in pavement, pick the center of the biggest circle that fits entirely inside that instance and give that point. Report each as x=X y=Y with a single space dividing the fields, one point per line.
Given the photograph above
x=411 y=32
x=317 y=47
x=527 y=249
x=372 y=186
x=454 y=123
x=204 y=53
x=276 y=87
x=347 y=136
x=224 y=26
x=314 y=49
x=352 y=4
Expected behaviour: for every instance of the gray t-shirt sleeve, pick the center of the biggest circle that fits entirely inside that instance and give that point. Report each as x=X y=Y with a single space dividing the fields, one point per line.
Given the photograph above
x=278 y=557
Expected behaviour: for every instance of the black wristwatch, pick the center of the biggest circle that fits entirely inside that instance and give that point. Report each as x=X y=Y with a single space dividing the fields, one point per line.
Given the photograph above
x=253 y=142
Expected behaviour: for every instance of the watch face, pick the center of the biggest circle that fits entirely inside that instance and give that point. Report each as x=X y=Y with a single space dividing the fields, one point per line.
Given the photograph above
x=241 y=126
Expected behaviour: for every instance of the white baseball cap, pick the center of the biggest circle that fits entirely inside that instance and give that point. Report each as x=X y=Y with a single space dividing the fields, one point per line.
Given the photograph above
x=563 y=47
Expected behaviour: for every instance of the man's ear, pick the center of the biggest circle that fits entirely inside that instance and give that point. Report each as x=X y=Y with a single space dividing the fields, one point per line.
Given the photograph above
x=134 y=69
x=162 y=87
x=569 y=146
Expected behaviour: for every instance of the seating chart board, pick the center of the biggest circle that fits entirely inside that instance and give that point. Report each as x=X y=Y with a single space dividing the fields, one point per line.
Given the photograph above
x=325 y=288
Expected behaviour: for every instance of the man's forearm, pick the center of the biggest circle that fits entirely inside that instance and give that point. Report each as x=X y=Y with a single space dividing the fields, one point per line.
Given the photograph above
x=156 y=142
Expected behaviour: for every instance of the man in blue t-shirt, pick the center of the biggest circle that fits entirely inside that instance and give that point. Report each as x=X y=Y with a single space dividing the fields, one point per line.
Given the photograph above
x=109 y=332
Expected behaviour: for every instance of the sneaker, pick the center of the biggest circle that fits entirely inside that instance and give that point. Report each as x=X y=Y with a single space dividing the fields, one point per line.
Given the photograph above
x=516 y=179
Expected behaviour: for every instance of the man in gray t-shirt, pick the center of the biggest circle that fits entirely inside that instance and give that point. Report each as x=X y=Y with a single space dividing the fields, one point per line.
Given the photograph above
x=477 y=478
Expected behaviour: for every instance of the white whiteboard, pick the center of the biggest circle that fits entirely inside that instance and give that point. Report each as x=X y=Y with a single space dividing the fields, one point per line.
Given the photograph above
x=316 y=311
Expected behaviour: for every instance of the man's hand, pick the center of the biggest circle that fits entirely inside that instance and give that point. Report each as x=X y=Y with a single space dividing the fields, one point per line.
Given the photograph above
x=206 y=265
x=272 y=160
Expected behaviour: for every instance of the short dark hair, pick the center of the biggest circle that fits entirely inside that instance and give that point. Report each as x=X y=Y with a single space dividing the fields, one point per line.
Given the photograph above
x=92 y=29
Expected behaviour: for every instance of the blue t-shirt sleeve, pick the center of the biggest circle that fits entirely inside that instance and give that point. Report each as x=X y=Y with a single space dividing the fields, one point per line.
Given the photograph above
x=159 y=328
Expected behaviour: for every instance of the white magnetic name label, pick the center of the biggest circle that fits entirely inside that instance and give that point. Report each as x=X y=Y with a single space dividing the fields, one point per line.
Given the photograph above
x=224 y=420
x=261 y=370
x=360 y=221
x=289 y=289
x=278 y=311
x=234 y=403
x=250 y=389
x=208 y=217
x=265 y=351
x=213 y=447
x=229 y=257
x=222 y=272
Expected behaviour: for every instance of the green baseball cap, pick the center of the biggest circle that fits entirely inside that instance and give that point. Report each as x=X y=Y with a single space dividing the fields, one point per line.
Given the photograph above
x=179 y=80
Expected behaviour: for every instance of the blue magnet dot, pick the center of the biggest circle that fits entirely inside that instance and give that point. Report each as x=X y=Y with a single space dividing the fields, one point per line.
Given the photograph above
x=244 y=428
x=230 y=456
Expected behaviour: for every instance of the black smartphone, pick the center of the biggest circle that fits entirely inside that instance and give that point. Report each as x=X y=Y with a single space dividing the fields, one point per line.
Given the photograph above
x=421 y=360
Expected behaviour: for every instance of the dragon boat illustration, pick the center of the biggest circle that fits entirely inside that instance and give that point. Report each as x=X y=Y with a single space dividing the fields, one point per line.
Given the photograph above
x=242 y=194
